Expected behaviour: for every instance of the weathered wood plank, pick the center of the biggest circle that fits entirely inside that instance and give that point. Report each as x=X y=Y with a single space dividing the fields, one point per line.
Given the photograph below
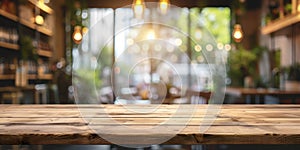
x=215 y=135
x=89 y=106
x=151 y=121
x=152 y=115
x=234 y=124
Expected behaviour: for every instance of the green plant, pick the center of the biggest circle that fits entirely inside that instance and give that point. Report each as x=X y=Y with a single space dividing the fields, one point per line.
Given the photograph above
x=28 y=52
x=242 y=63
x=293 y=72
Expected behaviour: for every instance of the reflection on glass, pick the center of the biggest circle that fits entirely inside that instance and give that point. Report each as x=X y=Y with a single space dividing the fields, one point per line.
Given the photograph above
x=206 y=22
x=138 y=8
x=150 y=54
x=164 y=5
x=95 y=46
x=151 y=59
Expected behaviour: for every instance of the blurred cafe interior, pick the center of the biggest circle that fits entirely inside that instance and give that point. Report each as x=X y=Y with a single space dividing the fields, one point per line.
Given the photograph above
x=169 y=52
x=149 y=52
x=57 y=53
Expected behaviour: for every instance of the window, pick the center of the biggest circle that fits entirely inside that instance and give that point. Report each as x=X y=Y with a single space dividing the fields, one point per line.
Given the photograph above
x=164 y=51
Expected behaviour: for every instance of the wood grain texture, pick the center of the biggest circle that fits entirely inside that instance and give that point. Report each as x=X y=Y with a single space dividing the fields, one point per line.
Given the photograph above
x=72 y=124
x=252 y=91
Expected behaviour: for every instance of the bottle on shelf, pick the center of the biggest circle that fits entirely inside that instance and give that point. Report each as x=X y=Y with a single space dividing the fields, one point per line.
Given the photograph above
x=274 y=9
x=29 y=38
x=8 y=6
x=288 y=7
x=1 y=65
x=26 y=13
x=43 y=67
x=4 y=5
x=9 y=35
x=21 y=74
x=32 y=67
x=1 y=34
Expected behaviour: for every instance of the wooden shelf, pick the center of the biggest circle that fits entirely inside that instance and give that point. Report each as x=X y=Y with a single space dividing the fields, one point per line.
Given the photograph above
x=41 y=77
x=32 y=76
x=281 y=23
x=8 y=15
x=29 y=76
x=38 y=7
x=27 y=24
x=44 y=53
x=44 y=31
x=9 y=45
x=35 y=27
x=41 y=6
x=7 y=77
x=45 y=77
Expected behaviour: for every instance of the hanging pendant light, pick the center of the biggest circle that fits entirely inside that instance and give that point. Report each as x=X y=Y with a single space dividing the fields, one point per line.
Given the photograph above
x=151 y=34
x=163 y=6
x=77 y=35
x=237 y=33
x=39 y=20
x=138 y=7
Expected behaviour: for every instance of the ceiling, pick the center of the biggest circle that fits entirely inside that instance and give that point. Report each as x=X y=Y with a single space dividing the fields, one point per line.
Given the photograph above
x=179 y=3
x=250 y=4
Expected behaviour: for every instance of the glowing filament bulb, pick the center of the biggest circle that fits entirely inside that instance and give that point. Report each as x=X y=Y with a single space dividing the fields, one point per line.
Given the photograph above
x=164 y=5
x=237 y=33
x=77 y=35
x=39 y=20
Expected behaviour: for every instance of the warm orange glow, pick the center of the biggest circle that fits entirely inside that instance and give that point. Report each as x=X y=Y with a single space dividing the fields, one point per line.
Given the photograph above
x=151 y=35
x=77 y=35
x=138 y=8
x=237 y=33
x=41 y=2
x=39 y=20
x=84 y=30
x=227 y=47
x=198 y=48
x=164 y=5
x=178 y=42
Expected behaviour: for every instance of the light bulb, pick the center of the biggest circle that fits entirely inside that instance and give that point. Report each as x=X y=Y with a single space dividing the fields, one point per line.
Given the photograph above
x=77 y=35
x=151 y=35
x=198 y=34
x=138 y=8
x=178 y=42
x=84 y=30
x=237 y=33
x=39 y=20
x=164 y=5
x=198 y=48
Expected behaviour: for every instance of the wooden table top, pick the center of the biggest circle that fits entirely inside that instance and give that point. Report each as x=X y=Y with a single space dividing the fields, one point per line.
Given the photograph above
x=239 y=91
x=14 y=88
x=235 y=124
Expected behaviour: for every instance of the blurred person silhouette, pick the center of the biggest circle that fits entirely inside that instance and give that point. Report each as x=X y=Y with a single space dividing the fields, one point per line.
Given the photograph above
x=63 y=81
